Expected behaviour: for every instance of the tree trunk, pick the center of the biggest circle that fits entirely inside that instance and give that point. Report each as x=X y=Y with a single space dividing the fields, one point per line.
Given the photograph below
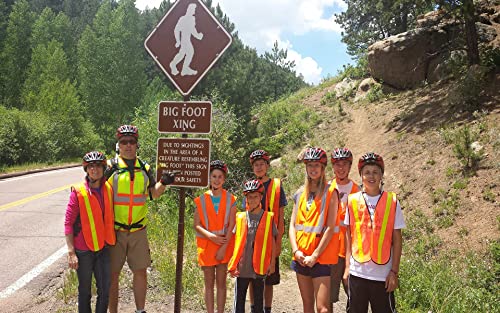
x=469 y=13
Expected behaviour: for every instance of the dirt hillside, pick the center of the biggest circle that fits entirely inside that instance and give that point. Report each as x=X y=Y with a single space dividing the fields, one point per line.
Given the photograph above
x=405 y=129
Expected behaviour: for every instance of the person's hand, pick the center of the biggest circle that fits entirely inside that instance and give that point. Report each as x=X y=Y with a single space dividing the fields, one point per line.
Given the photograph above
x=234 y=273
x=272 y=268
x=310 y=260
x=345 y=278
x=299 y=257
x=221 y=252
x=177 y=44
x=218 y=240
x=167 y=177
x=391 y=282
x=72 y=260
x=278 y=248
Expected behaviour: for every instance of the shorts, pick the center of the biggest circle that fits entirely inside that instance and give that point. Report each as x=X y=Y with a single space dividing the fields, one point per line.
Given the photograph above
x=274 y=278
x=130 y=247
x=336 y=274
x=318 y=270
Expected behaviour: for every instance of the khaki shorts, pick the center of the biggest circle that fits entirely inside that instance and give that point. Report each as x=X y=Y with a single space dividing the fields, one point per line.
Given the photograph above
x=130 y=247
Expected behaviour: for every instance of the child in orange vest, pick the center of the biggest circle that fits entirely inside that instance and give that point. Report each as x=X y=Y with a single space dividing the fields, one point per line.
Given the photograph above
x=341 y=159
x=311 y=230
x=274 y=200
x=214 y=220
x=254 y=250
x=373 y=241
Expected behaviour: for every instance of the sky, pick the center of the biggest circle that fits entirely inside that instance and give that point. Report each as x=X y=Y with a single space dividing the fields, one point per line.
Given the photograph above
x=306 y=28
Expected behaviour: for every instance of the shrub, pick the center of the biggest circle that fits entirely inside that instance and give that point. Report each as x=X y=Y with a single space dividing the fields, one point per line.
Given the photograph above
x=375 y=93
x=469 y=88
x=462 y=147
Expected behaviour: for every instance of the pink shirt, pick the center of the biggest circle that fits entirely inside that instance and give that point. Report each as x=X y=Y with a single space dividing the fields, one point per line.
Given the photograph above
x=72 y=213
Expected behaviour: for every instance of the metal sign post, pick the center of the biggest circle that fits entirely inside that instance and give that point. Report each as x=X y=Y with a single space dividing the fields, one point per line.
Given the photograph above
x=185 y=44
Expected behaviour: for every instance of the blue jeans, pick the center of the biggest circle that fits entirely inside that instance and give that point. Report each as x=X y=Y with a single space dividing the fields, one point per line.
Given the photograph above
x=97 y=263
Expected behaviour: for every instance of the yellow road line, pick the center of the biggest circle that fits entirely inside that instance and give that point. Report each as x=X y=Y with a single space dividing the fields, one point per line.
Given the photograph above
x=34 y=197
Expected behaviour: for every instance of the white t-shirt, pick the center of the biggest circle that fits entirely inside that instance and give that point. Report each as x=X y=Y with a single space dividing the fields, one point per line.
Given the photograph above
x=344 y=191
x=371 y=270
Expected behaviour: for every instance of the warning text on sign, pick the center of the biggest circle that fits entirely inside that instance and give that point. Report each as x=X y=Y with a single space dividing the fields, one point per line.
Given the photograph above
x=190 y=157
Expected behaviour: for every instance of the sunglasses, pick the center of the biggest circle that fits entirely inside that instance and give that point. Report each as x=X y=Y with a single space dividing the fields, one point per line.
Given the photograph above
x=125 y=142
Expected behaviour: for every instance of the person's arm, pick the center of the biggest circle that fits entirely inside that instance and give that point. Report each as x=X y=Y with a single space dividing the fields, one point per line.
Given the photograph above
x=292 y=235
x=347 y=254
x=221 y=252
x=328 y=234
x=281 y=230
x=72 y=212
x=72 y=258
x=391 y=282
x=198 y=227
x=272 y=266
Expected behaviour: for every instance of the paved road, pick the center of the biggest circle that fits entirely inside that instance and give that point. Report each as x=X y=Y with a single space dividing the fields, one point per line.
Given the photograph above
x=32 y=211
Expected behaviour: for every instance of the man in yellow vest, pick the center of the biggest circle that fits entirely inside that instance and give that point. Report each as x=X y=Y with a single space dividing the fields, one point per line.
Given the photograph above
x=273 y=200
x=341 y=159
x=374 y=242
x=132 y=181
x=89 y=231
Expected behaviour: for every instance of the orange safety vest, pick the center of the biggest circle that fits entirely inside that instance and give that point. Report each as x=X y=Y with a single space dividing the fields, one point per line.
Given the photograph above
x=341 y=216
x=310 y=226
x=262 y=246
x=372 y=239
x=216 y=223
x=273 y=199
x=97 y=222
x=130 y=196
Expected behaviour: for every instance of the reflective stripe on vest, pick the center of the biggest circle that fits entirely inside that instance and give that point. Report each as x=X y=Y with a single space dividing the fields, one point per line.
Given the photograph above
x=311 y=224
x=130 y=195
x=97 y=222
x=273 y=198
x=372 y=238
x=262 y=252
x=206 y=221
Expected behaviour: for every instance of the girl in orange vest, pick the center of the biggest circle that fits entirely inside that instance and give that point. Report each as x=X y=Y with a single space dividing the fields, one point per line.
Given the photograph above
x=255 y=248
x=341 y=159
x=312 y=227
x=89 y=229
x=373 y=242
x=214 y=220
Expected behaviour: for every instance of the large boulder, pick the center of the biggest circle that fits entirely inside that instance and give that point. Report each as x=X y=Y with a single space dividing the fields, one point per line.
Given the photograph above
x=402 y=61
x=407 y=60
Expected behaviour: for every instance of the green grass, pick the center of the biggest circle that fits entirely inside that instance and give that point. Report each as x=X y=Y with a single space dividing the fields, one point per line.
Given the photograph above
x=33 y=166
x=450 y=283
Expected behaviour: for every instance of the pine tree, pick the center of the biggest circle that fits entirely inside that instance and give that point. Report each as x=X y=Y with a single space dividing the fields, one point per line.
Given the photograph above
x=16 y=53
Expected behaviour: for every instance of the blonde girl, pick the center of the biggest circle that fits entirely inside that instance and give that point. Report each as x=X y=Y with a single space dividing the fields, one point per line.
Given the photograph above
x=311 y=229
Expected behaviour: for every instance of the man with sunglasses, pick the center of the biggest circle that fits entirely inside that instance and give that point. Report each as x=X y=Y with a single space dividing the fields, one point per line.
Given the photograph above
x=133 y=181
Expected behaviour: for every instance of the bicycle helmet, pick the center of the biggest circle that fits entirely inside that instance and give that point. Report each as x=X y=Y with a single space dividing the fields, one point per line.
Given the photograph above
x=127 y=130
x=218 y=165
x=259 y=154
x=253 y=185
x=93 y=157
x=370 y=158
x=341 y=154
x=315 y=155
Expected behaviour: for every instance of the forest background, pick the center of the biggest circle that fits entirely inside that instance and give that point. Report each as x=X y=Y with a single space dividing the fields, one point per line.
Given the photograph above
x=71 y=71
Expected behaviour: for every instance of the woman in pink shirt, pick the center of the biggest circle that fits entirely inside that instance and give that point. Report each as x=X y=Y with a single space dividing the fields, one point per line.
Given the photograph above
x=89 y=229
